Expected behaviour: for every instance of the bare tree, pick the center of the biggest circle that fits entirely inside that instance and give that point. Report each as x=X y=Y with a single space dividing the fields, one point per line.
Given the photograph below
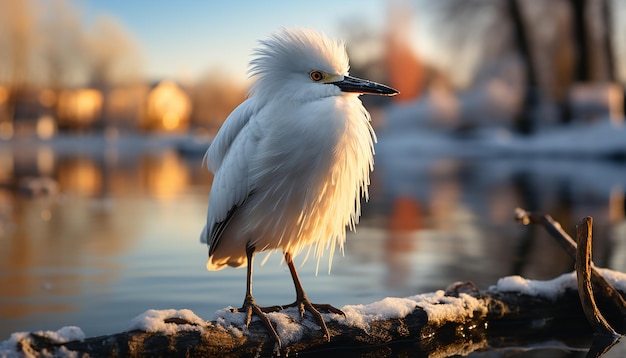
x=62 y=48
x=213 y=97
x=45 y=44
x=17 y=37
x=63 y=45
x=523 y=121
x=609 y=40
x=112 y=58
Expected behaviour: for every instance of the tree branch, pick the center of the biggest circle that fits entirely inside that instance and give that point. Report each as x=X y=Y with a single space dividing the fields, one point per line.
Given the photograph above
x=583 y=274
x=615 y=303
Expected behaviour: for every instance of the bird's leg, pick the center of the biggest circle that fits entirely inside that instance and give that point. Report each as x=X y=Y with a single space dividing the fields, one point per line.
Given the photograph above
x=249 y=305
x=303 y=303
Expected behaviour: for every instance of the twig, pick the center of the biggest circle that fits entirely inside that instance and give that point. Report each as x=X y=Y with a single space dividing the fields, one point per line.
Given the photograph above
x=602 y=286
x=552 y=226
x=583 y=273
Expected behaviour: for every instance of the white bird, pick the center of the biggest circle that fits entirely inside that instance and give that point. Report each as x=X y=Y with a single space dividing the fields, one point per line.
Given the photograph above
x=291 y=162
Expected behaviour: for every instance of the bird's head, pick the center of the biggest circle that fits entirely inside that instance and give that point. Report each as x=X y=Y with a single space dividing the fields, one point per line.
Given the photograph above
x=303 y=64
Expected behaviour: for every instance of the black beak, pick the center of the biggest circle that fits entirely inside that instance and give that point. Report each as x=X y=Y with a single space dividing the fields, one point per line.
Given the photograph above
x=353 y=84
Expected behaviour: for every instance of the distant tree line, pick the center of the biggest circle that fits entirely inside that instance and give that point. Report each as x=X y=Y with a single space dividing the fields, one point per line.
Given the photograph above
x=45 y=44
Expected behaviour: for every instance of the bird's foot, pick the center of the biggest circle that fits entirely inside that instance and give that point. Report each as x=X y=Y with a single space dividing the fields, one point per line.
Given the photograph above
x=250 y=308
x=304 y=304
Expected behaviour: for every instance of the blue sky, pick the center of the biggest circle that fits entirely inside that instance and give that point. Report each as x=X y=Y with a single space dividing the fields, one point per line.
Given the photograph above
x=186 y=39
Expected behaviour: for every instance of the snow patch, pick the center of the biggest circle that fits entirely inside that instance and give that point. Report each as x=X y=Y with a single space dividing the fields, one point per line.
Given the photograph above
x=290 y=326
x=155 y=321
x=405 y=137
x=288 y=323
x=450 y=309
x=66 y=334
x=362 y=316
x=616 y=278
x=553 y=288
x=63 y=335
x=549 y=289
x=231 y=321
x=8 y=348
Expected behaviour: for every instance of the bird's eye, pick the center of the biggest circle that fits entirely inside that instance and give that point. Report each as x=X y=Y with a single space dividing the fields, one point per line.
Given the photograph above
x=316 y=76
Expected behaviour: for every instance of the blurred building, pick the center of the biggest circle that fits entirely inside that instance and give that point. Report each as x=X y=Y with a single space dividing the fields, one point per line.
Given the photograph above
x=167 y=108
x=214 y=97
x=6 y=127
x=42 y=112
x=22 y=114
x=405 y=70
x=124 y=106
x=78 y=108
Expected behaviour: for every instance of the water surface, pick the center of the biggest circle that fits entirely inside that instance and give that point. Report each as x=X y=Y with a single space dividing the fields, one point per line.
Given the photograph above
x=121 y=235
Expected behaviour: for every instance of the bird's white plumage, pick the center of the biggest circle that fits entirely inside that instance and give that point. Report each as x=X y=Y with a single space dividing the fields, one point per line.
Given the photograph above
x=291 y=162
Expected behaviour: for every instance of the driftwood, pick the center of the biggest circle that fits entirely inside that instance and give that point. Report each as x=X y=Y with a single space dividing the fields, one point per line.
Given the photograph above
x=496 y=326
x=605 y=335
x=585 y=290
x=589 y=280
x=601 y=286
x=487 y=320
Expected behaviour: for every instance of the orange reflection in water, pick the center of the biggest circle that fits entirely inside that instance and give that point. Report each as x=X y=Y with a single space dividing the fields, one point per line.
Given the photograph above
x=56 y=249
x=24 y=247
x=165 y=176
x=6 y=167
x=80 y=175
x=404 y=223
x=445 y=194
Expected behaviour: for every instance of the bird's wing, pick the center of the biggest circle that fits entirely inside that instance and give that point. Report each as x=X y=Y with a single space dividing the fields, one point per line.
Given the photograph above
x=228 y=158
x=231 y=128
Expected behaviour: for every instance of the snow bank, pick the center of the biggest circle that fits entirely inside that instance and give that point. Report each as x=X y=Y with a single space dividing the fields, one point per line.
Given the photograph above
x=288 y=324
x=362 y=316
x=549 y=289
x=291 y=327
x=438 y=307
x=553 y=288
x=155 y=321
x=8 y=348
x=600 y=139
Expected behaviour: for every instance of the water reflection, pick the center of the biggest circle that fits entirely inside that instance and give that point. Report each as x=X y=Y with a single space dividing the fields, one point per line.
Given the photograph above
x=80 y=176
x=121 y=234
x=57 y=250
x=468 y=204
x=164 y=176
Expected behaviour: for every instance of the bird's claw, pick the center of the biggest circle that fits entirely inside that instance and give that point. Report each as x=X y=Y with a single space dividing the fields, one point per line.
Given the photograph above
x=304 y=304
x=329 y=308
x=317 y=306
x=250 y=308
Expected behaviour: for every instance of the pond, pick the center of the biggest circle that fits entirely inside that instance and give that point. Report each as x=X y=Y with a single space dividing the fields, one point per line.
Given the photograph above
x=120 y=233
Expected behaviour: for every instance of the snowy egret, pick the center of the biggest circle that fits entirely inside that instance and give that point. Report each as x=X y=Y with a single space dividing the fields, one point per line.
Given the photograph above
x=291 y=162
